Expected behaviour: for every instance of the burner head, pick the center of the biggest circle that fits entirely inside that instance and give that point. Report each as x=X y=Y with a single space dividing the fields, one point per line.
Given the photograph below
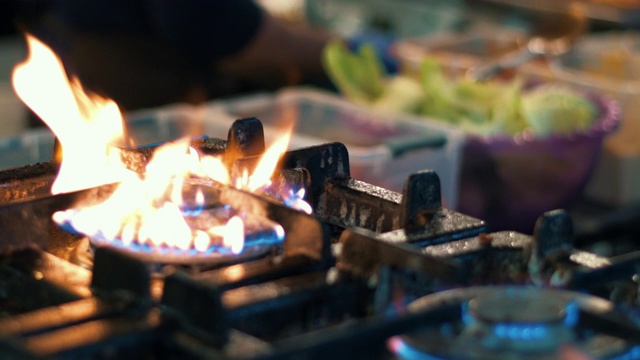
x=520 y=319
x=213 y=236
x=510 y=322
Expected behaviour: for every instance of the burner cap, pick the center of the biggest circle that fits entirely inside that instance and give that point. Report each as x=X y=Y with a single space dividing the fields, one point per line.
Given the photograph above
x=505 y=322
x=165 y=256
x=259 y=236
x=520 y=305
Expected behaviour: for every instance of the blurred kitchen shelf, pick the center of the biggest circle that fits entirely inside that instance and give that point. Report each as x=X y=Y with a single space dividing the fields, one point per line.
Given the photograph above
x=614 y=13
x=400 y=18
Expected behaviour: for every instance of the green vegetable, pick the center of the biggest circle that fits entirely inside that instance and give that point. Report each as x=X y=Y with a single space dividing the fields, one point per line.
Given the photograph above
x=555 y=109
x=359 y=76
x=482 y=108
x=439 y=96
x=507 y=115
x=479 y=108
x=401 y=94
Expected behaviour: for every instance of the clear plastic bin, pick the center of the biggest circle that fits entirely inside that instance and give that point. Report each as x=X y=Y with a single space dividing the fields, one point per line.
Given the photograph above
x=457 y=52
x=176 y=121
x=145 y=127
x=384 y=149
x=31 y=147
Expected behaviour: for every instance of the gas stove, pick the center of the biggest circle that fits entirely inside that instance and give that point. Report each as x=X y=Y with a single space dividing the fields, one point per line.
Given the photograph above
x=371 y=273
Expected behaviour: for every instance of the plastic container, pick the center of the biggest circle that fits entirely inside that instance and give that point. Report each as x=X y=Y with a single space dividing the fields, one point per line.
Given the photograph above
x=145 y=127
x=507 y=181
x=609 y=63
x=510 y=182
x=457 y=52
x=31 y=147
x=176 y=121
x=384 y=149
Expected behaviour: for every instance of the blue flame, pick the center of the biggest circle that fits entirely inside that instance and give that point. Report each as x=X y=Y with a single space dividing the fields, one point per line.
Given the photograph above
x=267 y=237
x=467 y=316
x=573 y=314
x=522 y=332
x=407 y=352
x=192 y=211
x=291 y=196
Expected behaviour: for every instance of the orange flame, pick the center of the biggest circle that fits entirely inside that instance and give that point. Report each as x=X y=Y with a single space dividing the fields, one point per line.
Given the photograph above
x=82 y=123
x=145 y=208
x=261 y=176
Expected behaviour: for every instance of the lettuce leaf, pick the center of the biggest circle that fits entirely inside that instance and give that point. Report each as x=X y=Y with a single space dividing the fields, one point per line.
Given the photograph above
x=482 y=108
x=557 y=109
x=358 y=75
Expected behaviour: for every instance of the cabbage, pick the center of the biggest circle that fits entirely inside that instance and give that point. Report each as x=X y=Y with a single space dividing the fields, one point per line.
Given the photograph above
x=553 y=109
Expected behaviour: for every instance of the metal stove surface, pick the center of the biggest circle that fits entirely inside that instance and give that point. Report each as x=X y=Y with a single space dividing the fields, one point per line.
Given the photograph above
x=370 y=274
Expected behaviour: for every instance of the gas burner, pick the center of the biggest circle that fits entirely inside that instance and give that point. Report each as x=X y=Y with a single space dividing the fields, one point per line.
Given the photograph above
x=168 y=256
x=506 y=322
x=258 y=236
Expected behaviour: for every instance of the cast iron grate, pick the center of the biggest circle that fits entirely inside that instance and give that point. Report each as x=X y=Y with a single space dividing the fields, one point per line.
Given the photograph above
x=339 y=285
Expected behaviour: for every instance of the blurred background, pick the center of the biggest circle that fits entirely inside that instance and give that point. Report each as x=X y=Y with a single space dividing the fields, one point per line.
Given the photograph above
x=12 y=50
x=461 y=34
x=403 y=19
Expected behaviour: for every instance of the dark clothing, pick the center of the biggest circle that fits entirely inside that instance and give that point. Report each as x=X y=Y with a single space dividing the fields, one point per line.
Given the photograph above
x=146 y=53
x=207 y=29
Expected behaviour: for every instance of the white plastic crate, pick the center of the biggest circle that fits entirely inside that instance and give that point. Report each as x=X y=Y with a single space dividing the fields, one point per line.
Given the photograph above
x=171 y=122
x=145 y=127
x=31 y=147
x=384 y=148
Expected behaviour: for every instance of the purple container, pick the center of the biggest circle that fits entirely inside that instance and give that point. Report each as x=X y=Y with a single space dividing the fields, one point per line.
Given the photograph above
x=510 y=181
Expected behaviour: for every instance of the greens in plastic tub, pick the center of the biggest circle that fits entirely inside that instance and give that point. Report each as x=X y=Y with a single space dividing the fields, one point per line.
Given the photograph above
x=528 y=149
x=479 y=108
x=510 y=181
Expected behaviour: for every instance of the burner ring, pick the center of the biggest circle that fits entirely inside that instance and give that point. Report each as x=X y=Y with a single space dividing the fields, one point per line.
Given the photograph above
x=260 y=236
x=167 y=256
x=519 y=305
x=504 y=322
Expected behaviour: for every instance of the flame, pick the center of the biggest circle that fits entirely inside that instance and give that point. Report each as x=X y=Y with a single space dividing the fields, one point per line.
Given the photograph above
x=160 y=208
x=83 y=123
x=261 y=176
x=153 y=209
